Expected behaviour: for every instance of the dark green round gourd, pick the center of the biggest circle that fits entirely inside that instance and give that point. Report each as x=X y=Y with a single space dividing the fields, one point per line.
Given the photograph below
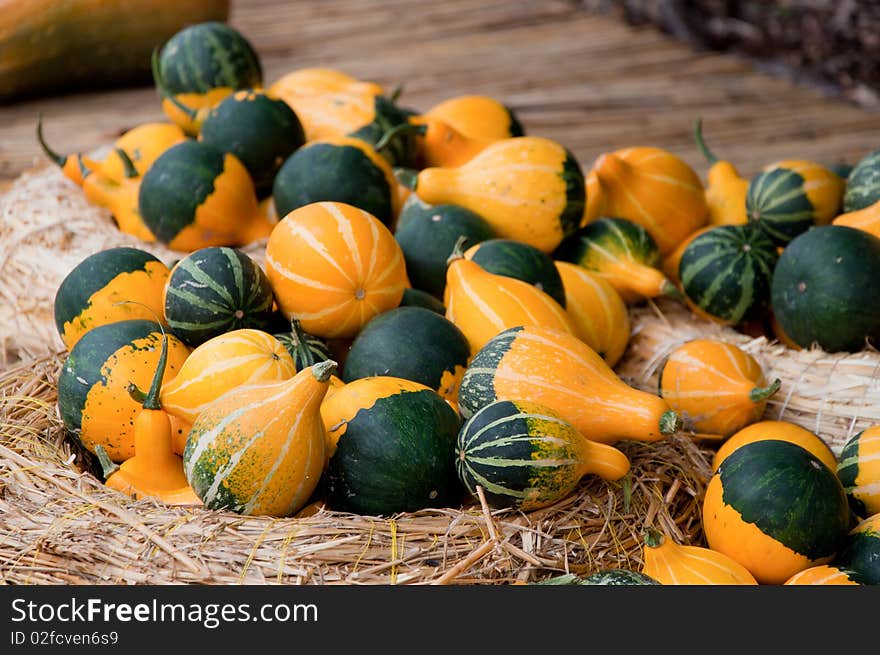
x=863 y=183
x=860 y=552
x=777 y=202
x=333 y=172
x=727 y=271
x=521 y=261
x=612 y=576
x=396 y=456
x=260 y=130
x=427 y=235
x=412 y=343
x=418 y=298
x=391 y=133
x=825 y=288
x=215 y=290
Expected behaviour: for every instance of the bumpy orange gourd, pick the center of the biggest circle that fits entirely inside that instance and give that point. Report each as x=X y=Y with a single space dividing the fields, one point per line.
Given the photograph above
x=717 y=387
x=477 y=116
x=333 y=267
x=529 y=189
x=782 y=430
x=482 y=304
x=824 y=574
x=651 y=187
x=597 y=311
x=867 y=219
x=675 y=564
x=727 y=189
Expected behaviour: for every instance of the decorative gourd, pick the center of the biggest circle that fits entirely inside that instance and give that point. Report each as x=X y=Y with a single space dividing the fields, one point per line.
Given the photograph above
x=260 y=451
x=788 y=197
x=781 y=430
x=717 y=387
x=427 y=234
x=650 y=187
x=215 y=290
x=867 y=219
x=482 y=304
x=333 y=267
x=597 y=311
x=154 y=471
x=623 y=253
x=417 y=298
x=525 y=455
x=824 y=574
x=412 y=343
x=71 y=165
x=727 y=189
x=859 y=471
x=776 y=509
x=194 y=196
x=119 y=197
x=726 y=273
x=618 y=577
x=863 y=183
x=825 y=288
x=202 y=64
x=521 y=261
x=394 y=443
x=94 y=291
x=219 y=366
x=477 y=116
x=338 y=169
x=676 y=564
x=560 y=371
x=139 y=148
x=670 y=263
x=93 y=397
x=406 y=180
x=440 y=144
x=317 y=348
x=260 y=130
x=529 y=189
x=860 y=552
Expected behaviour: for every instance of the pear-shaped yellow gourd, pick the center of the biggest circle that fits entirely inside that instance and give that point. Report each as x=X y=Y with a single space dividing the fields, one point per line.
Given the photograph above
x=674 y=564
x=727 y=189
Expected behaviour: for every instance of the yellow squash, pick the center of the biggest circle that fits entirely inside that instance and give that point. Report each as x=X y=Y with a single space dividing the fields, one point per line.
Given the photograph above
x=674 y=564
x=727 y=189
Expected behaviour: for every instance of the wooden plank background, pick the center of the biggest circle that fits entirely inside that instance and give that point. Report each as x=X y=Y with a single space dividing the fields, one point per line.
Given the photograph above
x=588 y=81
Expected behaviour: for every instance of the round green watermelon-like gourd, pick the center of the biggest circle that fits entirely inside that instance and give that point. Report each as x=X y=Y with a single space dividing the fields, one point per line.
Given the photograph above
x=412 y=343
x=215 y=290
x=863 y=183
x=110 y=285
x=521 y=261
x=825 y=288
x=726 y=272
x=260 y=130
x=427 y=234
x=418 y=298
x=858 y=468
x=860 y=553
x=612 y=576
x=394 y=454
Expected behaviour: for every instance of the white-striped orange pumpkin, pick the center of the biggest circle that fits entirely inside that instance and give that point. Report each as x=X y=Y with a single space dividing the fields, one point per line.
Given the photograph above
x=482 y=304
x=597 y=311
x=823 y=574
x=333 y=267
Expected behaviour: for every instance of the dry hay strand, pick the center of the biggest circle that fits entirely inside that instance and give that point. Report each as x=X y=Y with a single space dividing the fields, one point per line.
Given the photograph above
x=835 y=395
x=61 y=525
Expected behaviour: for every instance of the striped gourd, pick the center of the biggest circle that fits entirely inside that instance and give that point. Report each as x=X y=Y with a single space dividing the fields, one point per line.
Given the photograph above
x=726 y=273
x=521 y=261
x=94 y=292
x=651 y=187
x=528 y=189
x=859 y=470
x=338 y=169
x=622 y=252
x=788 y=197
x=776 y=509
x=334 y=267
x=781 y=430
x=93 y=397
x=597 y=311
x=860 y=551
x=202 y=64
x=239 y=358
x=824 y=574
x=260 y=451
x=216 y=290
x=863 y=183
x=482 y=304
x=559 y=370
x=317 y=348
x=525 y=455
x=679 y=564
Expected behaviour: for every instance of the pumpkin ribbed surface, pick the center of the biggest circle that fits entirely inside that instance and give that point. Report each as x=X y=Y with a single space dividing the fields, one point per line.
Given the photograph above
x=334 y=267
x=859 y=471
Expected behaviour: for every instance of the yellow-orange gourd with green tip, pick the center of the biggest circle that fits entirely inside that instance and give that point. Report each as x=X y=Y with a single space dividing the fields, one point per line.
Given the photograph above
x=824 y=574
x=727 y=189
x=674 y=564
x=477 y=116
x=867 y=219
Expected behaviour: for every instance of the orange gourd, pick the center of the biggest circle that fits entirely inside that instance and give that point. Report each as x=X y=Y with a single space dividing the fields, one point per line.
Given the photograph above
x=528 y=189
x=71 y=165
x=482 y=304
x=120 y=197
x=727 y=189
x=825 y=574
x=867 y=219
x=717 y=387
x=597 y=311
x=442 y=145
x=477 y=116
x=782 y=430
x=675 y=564
x=651 y=187
x=333 y=267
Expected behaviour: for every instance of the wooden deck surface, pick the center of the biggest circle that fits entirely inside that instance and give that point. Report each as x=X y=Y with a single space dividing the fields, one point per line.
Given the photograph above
x=588 y=81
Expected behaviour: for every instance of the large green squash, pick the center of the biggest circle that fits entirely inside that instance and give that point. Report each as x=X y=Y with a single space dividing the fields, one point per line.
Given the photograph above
x=825 y=288
x=521 y=261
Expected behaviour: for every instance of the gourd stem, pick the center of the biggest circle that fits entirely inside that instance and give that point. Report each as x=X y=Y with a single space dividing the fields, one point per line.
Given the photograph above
x=653 y=538
x=670 y=422
x=396 y=93
x=759 y=394
x=669 y=290
x=151 y=399
x=698 y=135
x=397 y=130
x=108 y=466
x=323 y=370
x=457 y=250
x=163 y=92
x=138 y=395
x=130 y=168
x=51 y=154
x=306 y=356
